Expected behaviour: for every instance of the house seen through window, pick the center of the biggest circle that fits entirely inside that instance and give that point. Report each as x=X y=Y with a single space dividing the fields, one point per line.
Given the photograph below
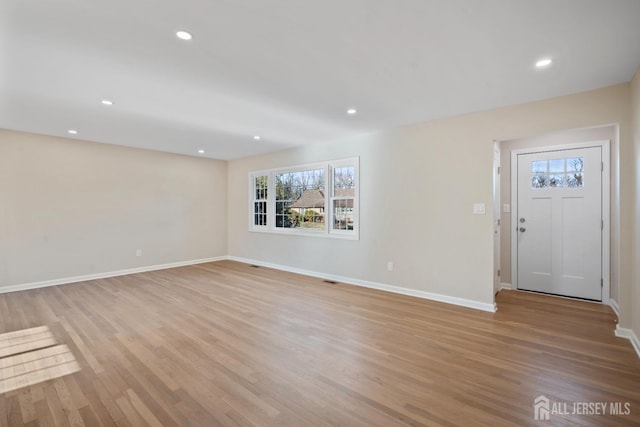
x=313 y=199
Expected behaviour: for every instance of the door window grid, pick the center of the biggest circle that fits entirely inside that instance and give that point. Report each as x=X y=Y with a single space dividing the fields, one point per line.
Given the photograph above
x=558 y=173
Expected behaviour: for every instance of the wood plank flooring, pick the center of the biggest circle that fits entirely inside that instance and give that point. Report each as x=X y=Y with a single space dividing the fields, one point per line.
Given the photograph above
x=229 y=344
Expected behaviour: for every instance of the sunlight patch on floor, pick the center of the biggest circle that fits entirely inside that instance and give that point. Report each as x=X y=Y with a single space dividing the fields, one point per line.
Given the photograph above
x=31 y=356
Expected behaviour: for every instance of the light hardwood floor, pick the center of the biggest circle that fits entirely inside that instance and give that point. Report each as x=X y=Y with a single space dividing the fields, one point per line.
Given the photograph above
x=229 y=344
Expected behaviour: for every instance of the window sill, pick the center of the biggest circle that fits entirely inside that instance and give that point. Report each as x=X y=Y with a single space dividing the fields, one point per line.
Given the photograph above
x=322 y=234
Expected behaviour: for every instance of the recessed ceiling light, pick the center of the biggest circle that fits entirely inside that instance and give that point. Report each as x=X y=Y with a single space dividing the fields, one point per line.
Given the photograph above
x=201 y=151
x=543 y=63
x=107 y=102
x=183 y=35
x=73 y=131
x=257 y=137
x=352 y=111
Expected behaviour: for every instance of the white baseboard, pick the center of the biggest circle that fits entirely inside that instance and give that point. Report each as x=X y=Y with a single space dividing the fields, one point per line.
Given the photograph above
x=364 y=283
x=631 y=336
x=614 y=305
x=373 y=285
x=67 y=280
x=507 y=286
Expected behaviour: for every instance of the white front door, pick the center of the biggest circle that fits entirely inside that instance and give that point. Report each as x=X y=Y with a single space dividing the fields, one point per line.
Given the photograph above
x=559 y=222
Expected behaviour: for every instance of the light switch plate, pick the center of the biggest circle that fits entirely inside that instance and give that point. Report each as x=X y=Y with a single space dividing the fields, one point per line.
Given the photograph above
x=479 y=209
x=506 y=208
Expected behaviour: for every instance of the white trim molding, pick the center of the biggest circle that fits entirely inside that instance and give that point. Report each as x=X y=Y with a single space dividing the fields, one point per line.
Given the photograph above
x=76 y=279
x=507 y=286
x=615 y=307
x=631 y=336
x=492 y=308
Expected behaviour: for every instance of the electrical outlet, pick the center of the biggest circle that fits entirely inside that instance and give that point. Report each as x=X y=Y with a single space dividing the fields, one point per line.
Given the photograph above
x=390 y=265
x=138 y=252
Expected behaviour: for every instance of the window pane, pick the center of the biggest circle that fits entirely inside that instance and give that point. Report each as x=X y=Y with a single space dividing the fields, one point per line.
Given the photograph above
x=260 y=213
x=556 y=180
x=575 y=180
x=539 y=167
x=281 y=207
x=344 y=177
x=260 y=219
x=260 y=186
x=575 y=164
x=260 y=203
x=300 y=199
x=311 y=218
x=556 y=166
x=540 y=181
x=281 y=221
x=343 y=218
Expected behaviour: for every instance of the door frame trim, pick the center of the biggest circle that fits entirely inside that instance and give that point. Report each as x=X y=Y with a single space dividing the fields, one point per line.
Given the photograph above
x=606 y=207
x=497 y=227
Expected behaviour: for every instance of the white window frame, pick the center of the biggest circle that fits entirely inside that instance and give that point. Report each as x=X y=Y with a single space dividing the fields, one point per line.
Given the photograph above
x=328 y=167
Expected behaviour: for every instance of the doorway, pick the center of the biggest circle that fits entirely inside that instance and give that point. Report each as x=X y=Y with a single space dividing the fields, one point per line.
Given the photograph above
x=560 y=220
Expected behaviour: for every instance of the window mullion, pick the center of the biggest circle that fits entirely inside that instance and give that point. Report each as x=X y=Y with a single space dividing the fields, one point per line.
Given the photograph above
x=327 y=200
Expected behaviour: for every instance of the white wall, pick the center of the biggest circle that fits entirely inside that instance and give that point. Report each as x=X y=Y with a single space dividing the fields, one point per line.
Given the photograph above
x=559 y=138
x=72 y=208
x=418 y=185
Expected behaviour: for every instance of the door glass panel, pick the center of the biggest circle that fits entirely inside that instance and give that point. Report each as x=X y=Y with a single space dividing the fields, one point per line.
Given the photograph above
x=575 y=180
x=556 y=166
x=575 y=172
x=575 y=164
x=539 y=166
x=539 y=178
x=539 y=181
x=556 y=180
x=557 y=173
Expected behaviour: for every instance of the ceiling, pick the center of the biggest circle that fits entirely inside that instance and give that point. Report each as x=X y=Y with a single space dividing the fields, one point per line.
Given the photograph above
x=287 y=70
